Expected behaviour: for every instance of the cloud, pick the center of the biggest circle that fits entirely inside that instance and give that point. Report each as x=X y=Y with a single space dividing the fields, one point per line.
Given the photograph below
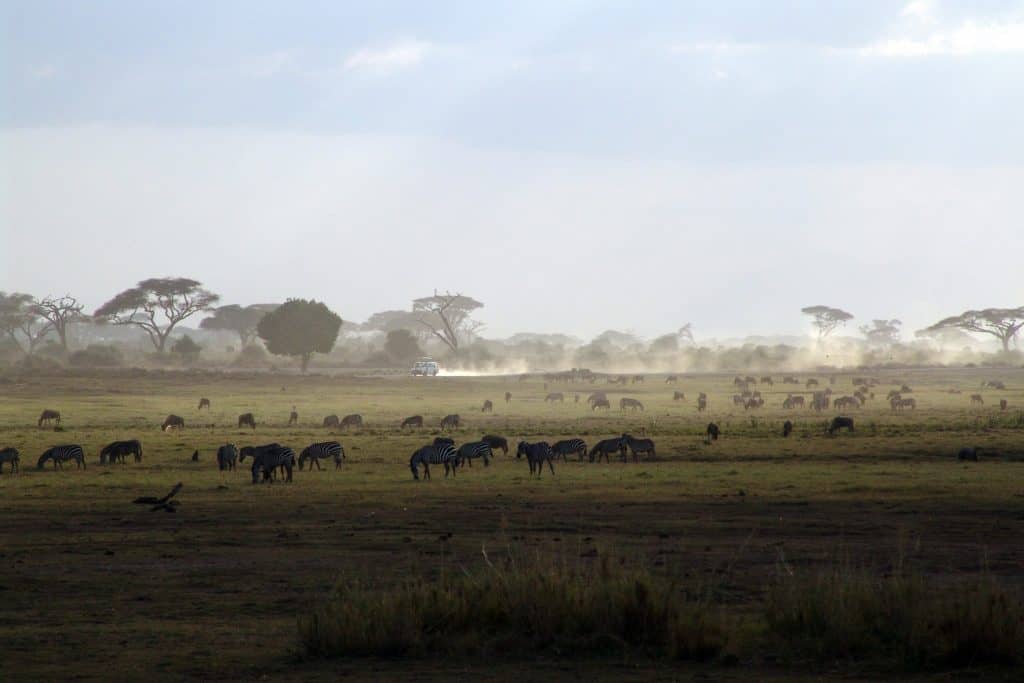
x=970 y=38
x=42 y=72
x=920 y=10
x=402 y=55
x=717 y=48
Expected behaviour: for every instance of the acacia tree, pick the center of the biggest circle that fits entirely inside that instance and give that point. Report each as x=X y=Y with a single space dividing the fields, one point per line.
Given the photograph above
x=157 y=305
x=238 y=319
x=61 y=312
x=300 y=328
x=882 y=332
x=826 y=318
x=947 y=336
x=685 y=334
x=1001 y=323
x=447 y=316
x=20 y=317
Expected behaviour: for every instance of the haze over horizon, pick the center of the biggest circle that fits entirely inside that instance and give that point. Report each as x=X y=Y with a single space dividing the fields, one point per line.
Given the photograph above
x=576 y=167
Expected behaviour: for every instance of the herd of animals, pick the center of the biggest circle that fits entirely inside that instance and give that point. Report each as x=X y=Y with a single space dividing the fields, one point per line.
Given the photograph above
x=269 y=459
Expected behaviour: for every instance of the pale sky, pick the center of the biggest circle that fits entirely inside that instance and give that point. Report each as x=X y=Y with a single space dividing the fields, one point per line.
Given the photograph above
x=576 y=166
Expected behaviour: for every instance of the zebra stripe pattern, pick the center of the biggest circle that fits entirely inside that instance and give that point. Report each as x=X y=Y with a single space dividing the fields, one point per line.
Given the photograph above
x=438 y=453
x=331 y=450
x=227 y=455
x=475 y=449
x=61 y=454
x=568 y=447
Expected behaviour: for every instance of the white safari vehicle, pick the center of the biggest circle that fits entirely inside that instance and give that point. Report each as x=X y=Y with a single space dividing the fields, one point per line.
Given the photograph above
x=426 y=367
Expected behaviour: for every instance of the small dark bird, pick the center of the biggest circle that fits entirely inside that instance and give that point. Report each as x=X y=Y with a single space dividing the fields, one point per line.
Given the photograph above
x=195 y=456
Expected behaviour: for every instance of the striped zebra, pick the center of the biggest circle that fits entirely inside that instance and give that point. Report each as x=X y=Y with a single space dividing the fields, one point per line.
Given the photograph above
x=48 y=416
x=607 y=447
x=331 y=421
x=120 y=450
x=495 y=442
x=61 y=454
x=227 y=456
x=638 y=446
x=631 y=403
x=354 y=420
x=12 y=456
x=568 y=447
x=325 y=449
x=475 y=449
x=536 y=454
x=451 y=421
x=441 y=452
x=266 y=459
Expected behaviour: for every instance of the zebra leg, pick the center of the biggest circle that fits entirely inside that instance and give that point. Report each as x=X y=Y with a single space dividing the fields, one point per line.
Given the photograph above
x=551 y=465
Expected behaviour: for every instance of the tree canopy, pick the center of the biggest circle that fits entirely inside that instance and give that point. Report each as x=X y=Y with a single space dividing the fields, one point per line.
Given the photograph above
x=1001 y=323
x=157 y=305
x=22 y=319
x=447 y=316
x=300 y=328
x=242 y=320
x=402 y=346
x=62 y=312
x=187 y=348
x=826 y=318
x=882 y=332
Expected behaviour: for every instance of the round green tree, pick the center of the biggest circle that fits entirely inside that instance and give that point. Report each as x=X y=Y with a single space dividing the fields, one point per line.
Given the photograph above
x=300 y=328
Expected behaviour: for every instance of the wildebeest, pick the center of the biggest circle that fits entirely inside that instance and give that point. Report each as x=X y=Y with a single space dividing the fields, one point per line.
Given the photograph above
x=451 y=421
x=567 y=447
x=968 y=454
x=606 y=447
x=702 y=403
x=678 y=396
x=331 y=421
x=61 y=454
x=846 y=402
x=787 y=428
x=1003 y=404
x=48 y=416
x=600 y=403
x=554 y=396
x=413 y=421
x=353 y=420
x=246 y=420
x=12 y=456
x=671 y=379
x=638 y=446
x=508 y=397
x=488 y=407
x=293 y=417
x=711 y=433
x=204 y=403
x=596 y=396
x=227 y=456
x=793 y=401
x=536 y=454
x=119 y=450
x=173 y=422
x=496 y=442
x=977 y=398
x=630 y=403
x=840 y=423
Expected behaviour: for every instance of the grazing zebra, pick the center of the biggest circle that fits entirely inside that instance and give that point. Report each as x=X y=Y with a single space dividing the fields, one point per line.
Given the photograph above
x=267 y=459
x=172 y=422
x=227 y=456
x=536 y=454
x=475 y=449
x=845 y=401
x=293 y=418
x=331 y=421
x=631 y=403
x=48 y=416
x=968 y=454
x=434 y=454
x=638 y=446
x=840 y=423
x=496 y=442
x=450 y=421
x=61 y=454
x=671 y=379
x=204 y=403
x=119 y=450
x=414 y=421
x=488 y=407
x=678 y=396
x=324 y=449
x=354 y=420
x=555 y=396
x=711 y=433
x=607 y=447
x=600 y=403
x=597 y=396
x=508 y=397
x=787 y=429
x=247 y=420
x=12 y=456
x=568 y=447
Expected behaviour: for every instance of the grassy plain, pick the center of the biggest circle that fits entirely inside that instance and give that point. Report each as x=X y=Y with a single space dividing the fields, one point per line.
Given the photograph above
x=96 y=588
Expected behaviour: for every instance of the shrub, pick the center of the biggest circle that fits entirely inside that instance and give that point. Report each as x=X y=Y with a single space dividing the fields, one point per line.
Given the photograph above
x=252 y=356
x=96 y=356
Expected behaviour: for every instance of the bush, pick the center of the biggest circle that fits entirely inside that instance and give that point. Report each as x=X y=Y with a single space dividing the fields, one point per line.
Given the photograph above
x=96 y=356
x=252 y=356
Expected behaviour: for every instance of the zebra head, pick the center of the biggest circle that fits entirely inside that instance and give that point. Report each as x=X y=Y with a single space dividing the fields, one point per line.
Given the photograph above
x=522 y=449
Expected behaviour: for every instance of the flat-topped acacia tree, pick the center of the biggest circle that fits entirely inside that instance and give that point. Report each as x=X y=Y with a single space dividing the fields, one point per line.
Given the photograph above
x=826 y=318
x=242 y=320
x=157 y=305
x=1001 y=323
x=299 y=328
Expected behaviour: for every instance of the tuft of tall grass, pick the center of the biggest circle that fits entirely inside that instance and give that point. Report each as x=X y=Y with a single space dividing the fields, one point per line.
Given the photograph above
x=521 y=605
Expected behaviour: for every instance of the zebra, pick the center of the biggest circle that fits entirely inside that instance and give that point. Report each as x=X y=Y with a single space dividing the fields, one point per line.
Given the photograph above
x=450 y=421
x=608 y=446
x=293 y=417
x=536 y=454
x=596 y=396
x=413 y=421
x=568 y=446
x=331 y=421
x=61 y=454
x=354 y=420
x=442 y=453
x=496 y=442
x=12 y=456
x=678 y=396
x=631 y=403
x=247 y=420
x=488 y=407
x=638 y=446
x=475 y=449
x=711 y=433
x=204 y=403
x=227 y=456
x=119 y=450
x=324 y=449
x=839 y=423
x=787 y=429
x=267 y=459
x=172 y=422
x=48 y=416
x=702 y=403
